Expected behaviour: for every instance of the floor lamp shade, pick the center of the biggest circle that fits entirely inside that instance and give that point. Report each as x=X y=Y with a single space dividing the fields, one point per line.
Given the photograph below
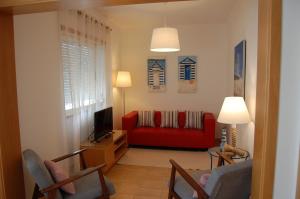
x=165 y=39
x=123 y=79
x=234 y=111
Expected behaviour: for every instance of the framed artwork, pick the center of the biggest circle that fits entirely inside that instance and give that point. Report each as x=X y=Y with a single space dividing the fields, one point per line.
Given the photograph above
x=240 y=69
x=156 y=74
x=187 y=74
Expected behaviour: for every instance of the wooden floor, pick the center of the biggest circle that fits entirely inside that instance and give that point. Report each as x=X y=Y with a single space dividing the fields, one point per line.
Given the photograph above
x=139 y=182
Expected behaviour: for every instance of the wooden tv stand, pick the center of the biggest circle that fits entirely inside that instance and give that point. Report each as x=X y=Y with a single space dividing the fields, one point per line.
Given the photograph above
x=109 y=150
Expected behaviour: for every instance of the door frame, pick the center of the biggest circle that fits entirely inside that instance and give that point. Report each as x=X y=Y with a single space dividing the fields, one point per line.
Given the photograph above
x=268 y=73
x=267 y=98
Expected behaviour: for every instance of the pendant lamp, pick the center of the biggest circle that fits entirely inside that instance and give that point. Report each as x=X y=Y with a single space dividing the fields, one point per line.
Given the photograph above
x=165 y=39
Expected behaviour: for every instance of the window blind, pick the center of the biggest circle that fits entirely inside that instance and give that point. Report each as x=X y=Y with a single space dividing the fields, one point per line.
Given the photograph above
x=83 y=69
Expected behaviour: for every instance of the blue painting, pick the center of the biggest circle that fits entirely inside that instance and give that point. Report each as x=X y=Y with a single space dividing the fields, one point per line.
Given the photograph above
x=187 y=70
x=156 y=75
x=240 y=69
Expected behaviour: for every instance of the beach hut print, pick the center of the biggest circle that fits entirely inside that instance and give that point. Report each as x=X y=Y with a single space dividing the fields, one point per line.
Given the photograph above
x=187 y=70
x=156 y=74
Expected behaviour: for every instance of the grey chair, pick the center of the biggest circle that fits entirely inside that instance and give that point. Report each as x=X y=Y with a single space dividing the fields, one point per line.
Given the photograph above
x=89 y=182
x=232 y=181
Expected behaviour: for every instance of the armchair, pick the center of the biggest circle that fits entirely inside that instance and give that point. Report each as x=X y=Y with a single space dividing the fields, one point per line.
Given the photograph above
x=89 y=182
x=225 y=182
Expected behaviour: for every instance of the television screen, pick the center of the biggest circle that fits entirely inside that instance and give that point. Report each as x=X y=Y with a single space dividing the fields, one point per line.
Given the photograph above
x=103 y=123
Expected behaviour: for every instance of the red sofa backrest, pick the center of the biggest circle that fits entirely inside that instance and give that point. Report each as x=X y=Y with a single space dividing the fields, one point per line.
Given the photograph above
x=181 y=119
x=157 y=118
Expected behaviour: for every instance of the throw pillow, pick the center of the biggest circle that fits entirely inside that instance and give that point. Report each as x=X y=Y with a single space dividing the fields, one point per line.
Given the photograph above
x=59 y=174
x=146 y=119
x=169 y=119
x=194 y=119
x=175 y=119
x=202 y=182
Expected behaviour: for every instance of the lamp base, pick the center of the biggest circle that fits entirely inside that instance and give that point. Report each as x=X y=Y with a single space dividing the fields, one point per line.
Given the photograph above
x=233 y=134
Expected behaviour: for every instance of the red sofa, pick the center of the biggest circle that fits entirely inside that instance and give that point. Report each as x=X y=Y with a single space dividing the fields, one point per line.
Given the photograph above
x=170 y=137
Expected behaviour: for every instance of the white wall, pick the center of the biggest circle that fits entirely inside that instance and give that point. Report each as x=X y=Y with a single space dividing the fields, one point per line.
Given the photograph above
x=288 y=142
x=39 y=85
x=207 y=42
x=243 y=25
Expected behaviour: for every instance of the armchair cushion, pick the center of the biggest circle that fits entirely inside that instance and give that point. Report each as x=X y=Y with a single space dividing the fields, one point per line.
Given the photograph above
x=59 y=174
x=202 y=182
x=183 y=189
x=89 y=187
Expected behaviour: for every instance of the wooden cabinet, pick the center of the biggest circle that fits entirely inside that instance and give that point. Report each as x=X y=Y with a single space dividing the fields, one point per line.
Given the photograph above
x=108 y=151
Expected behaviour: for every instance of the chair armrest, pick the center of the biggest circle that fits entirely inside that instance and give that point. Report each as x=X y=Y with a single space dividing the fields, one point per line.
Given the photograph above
x=175 y=167
x=129 y=121
x=57 y=185
x=68 y=155
x=82 y=160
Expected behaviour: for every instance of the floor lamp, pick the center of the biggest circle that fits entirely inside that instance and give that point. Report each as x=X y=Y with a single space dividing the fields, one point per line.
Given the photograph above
x=234 y=111
x=123 y=81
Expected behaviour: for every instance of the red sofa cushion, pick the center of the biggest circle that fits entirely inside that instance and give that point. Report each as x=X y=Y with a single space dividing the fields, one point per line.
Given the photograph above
x=181 y=119
x=157 y=118
x=172 y=137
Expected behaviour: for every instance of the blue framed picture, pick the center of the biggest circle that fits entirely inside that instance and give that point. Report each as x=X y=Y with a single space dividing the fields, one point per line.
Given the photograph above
x=156 y=74
x=240 y=69
x=187 y=74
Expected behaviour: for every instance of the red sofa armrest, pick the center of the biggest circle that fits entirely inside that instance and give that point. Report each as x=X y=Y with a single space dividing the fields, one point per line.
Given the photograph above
x=129 y=121
x=209 y=127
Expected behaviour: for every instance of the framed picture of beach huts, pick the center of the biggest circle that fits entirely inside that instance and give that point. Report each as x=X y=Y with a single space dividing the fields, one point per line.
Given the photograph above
x=240 y=69
x=156 y=74
x=187 y=74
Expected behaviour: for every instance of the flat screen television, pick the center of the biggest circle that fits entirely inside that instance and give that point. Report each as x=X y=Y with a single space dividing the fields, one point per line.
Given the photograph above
x=103 y=123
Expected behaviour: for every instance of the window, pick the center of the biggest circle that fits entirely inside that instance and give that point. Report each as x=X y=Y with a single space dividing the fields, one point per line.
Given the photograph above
x=84 y=79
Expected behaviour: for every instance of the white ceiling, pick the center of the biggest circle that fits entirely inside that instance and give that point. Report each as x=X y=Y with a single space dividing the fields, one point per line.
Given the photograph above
x=177 y=13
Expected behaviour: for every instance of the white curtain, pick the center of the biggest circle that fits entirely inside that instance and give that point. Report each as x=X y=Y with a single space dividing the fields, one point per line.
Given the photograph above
x=85 y=59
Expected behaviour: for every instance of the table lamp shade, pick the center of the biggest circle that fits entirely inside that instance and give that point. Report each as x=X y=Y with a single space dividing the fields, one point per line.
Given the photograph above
x=234 y=111
x=165 y=39
x=123 y=79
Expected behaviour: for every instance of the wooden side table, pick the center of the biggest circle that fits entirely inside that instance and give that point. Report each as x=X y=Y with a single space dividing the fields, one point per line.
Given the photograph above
x=108 y=151
x=213 y=153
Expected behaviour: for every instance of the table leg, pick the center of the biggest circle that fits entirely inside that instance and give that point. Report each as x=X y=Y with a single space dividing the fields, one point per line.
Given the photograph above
x=210 y=162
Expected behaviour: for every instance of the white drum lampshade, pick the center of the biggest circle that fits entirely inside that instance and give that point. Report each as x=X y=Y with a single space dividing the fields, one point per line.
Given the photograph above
x=165 y=39
x=123 y=79
x=234 y=111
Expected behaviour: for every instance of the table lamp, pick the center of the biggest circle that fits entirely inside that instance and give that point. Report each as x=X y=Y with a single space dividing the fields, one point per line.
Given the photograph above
x=234 y=111
x=123 y=81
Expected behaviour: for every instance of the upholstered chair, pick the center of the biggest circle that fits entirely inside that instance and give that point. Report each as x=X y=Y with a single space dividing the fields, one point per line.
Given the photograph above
x=89 y=182
x=232 y=181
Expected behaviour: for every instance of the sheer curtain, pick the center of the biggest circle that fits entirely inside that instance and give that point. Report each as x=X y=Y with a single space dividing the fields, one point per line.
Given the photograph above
x=84 y=51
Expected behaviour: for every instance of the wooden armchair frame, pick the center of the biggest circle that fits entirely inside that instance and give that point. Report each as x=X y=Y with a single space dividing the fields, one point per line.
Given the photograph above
x=51 y=190
x=201 y=193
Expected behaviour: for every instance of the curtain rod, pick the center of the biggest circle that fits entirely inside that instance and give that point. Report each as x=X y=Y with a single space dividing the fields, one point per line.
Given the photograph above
x=79 y=12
